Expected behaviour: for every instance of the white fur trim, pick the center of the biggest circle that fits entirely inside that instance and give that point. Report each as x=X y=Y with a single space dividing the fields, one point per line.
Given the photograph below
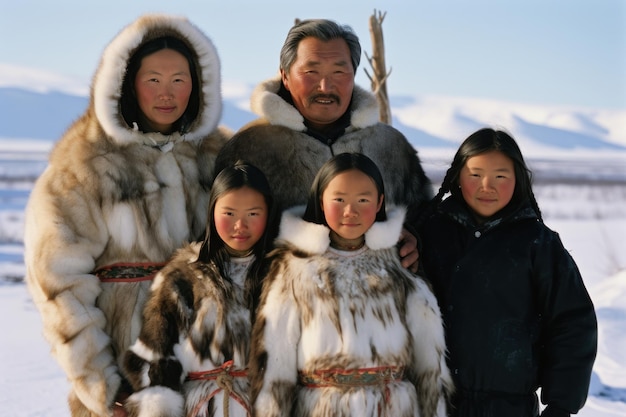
x=315 y=238
x=365 y=108
x=384 y=235
x=266 y=102
x=157 y=401
x=310 y=237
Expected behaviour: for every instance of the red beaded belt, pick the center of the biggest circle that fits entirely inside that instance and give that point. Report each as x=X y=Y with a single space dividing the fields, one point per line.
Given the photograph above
x=381 y=375
x=128 y=272
x=224 y=376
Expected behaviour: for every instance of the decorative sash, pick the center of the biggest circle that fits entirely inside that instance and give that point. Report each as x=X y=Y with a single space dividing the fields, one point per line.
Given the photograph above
x=379 y=376
x=359 y=377
x=128 y=272
x=224 y=376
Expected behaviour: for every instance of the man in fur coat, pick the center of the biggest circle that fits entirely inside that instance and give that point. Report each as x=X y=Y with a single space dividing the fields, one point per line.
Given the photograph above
x=313 y=111
x=119 y=196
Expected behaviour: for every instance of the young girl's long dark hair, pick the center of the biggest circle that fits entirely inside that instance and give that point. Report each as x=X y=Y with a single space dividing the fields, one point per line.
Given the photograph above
x=480 y=142
x=214 y=252
x=333 y=167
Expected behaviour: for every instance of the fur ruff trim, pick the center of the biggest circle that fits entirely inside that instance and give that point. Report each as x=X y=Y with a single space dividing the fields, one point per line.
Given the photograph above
x=314 y=238
x=266 y=102
x=156 y=401
x=107 y=84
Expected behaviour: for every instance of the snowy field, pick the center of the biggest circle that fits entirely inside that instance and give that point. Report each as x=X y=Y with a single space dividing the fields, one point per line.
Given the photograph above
x=584 y=200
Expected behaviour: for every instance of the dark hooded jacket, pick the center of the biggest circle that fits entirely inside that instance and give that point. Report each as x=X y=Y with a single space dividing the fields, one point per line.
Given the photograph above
x=516 y=310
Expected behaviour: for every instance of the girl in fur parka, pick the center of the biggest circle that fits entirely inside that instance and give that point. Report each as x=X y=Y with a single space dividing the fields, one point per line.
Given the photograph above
x=516 y=311
x=343 y=329
x=125 y=187
x=192 y=351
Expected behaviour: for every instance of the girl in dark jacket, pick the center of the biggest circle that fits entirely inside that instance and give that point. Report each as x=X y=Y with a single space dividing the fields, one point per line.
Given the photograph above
x=517 y=314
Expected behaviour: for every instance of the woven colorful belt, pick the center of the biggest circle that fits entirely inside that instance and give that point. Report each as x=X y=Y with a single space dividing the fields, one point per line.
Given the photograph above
x=128 y=272
x=223 y=376
x=351 y=377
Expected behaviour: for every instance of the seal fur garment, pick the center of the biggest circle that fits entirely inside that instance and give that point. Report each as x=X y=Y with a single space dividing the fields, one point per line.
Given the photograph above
x=353 y=315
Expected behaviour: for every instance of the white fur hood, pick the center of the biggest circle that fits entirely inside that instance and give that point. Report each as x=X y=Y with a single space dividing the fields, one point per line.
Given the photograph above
x=107 y=83
x=315 y=238
x=266 y=103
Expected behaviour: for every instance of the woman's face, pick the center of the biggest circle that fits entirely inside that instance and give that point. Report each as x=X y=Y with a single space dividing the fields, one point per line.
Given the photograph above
x=163 y=86
x=487 y=183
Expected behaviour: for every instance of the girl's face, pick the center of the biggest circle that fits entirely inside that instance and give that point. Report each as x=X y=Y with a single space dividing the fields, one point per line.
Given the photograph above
x=350 y=203
x=487 y=183
x=240 y=218
x=163 y=86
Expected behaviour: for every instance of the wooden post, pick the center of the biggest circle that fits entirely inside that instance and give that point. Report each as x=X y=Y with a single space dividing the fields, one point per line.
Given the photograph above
x=377 y=61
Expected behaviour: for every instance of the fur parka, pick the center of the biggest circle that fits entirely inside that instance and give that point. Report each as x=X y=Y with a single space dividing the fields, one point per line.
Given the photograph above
x=112 y=194
x=328 y=310
x=195 y=321
x=280 y=145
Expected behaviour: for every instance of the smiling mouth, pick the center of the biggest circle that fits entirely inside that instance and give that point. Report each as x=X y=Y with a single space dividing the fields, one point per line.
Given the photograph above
x=325 y=99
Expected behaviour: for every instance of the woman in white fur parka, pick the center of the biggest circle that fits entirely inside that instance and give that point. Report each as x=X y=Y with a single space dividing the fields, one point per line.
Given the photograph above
x=343 y=329
x=126 y=185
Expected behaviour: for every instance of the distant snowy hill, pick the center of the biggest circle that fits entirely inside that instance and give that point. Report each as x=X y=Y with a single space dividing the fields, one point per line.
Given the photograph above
x=428 y=122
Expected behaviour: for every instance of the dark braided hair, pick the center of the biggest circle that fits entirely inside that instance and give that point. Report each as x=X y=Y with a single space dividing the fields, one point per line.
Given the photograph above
x=480 y=142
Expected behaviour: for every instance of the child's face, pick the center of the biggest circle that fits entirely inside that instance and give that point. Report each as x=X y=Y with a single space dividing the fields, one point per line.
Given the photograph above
x=487 y=182
x=240 y=217
x=350 y=203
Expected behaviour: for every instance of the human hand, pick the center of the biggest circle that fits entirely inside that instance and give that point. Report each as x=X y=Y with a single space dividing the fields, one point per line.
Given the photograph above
x=118 y=405
x=119 y=410
x=408 y=250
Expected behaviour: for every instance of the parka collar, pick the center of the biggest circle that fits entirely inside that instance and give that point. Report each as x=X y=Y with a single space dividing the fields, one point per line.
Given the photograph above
x=458 y=210
x=268 y=103
x=315 y=238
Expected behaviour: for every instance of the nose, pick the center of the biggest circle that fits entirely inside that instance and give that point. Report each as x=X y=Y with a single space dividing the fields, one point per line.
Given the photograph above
x=326 y=84
x=349 y=211
x=487 y=183
x=165 y=92
x=241 y=224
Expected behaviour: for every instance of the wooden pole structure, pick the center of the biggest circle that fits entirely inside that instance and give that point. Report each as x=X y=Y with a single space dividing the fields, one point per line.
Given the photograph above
x=377 y=61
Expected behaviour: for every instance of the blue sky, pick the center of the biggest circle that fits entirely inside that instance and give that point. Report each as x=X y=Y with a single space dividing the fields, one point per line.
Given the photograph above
x=561 y=52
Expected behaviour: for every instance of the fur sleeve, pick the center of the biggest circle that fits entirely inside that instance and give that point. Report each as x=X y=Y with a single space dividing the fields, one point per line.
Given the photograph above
x=275 y=338
x=432 y=377
x=64 y=234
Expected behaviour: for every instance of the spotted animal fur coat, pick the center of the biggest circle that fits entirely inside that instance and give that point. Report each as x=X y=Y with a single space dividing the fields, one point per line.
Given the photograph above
x=112 y=194
x=195 y=321
x=324 y=309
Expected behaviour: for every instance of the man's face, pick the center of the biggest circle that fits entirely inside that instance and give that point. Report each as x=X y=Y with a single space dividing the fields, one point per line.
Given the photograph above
x=321 y=80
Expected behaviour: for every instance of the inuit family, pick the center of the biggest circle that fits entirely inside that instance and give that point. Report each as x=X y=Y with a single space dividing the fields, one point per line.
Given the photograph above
x=301 y=266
